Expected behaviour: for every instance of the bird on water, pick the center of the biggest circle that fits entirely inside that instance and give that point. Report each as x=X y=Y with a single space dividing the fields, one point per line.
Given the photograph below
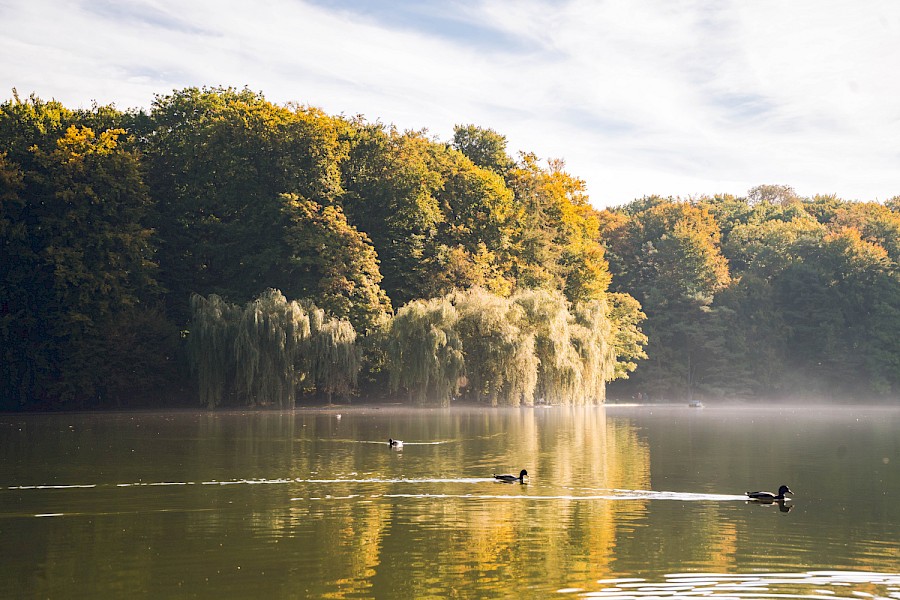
x=395 y=443
x=512 y=478
x=769 y=496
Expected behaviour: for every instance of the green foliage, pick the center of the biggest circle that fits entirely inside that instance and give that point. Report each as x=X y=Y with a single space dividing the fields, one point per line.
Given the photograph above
x=213 y=330
x=765 y=248
x=424 y=351
x=110 y=221
x=218 y=159
x=484 y=147
x=548 y=317
x=437 y=221
x=533 y=347
x=628 y=339
x=336 y=359
x=670 y=253
x=805 y=312
x=329 y=260
x=262 y=353
x=595 y=337
x=499 y=349
x=268 y=343
x=390 y=189
x=77 y=256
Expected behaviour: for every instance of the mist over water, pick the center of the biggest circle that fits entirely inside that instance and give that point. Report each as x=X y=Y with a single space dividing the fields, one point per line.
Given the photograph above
x=620 y=501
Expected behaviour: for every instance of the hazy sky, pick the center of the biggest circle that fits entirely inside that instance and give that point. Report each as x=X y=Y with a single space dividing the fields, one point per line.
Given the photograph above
x=639 y=97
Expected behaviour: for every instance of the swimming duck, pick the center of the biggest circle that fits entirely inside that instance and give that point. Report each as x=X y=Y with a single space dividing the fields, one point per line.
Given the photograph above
x=512 y=478
x=769 y=496
x=395 y=443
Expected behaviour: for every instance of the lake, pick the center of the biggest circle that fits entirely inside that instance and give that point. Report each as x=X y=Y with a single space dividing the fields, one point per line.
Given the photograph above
x=621 y=502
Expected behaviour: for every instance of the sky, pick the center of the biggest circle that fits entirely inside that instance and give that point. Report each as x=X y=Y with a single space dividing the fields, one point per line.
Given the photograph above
x=638 y=97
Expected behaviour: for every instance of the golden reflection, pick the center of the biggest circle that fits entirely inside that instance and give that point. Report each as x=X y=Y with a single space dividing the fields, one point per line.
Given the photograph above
x=572 y=453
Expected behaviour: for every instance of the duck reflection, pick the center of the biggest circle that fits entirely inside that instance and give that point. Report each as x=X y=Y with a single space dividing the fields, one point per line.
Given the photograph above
x=782 y=505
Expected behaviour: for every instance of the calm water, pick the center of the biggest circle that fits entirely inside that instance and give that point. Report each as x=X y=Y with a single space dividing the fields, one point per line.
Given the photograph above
x=622 y=502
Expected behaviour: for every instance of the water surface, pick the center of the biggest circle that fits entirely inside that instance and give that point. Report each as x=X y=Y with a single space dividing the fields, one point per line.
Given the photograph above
x=621 y=501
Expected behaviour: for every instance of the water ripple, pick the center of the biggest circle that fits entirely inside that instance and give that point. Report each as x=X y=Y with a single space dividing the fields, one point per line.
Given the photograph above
x=612 y=494
x=810 y=584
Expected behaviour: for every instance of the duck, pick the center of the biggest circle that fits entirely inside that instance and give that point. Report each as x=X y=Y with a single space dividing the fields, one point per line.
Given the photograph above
x=512 y=478
x=769 y=496
x=395 y=443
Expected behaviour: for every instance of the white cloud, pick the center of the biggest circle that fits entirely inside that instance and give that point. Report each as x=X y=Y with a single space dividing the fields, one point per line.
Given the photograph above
x=676 y=97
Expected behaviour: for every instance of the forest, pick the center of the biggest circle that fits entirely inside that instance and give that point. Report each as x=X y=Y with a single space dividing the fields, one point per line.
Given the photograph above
x=220 y=250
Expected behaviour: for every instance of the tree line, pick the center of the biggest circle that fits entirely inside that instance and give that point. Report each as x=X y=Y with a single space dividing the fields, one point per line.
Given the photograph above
x=222 y=249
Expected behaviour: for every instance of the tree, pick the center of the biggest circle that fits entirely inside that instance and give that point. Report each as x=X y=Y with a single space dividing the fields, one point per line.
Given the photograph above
x=218 y=159
x=836 y=302
x=424 y=351
x=498 y=347
x=766 y=248
x=390 y=196
x=73 y=217
x=557 y=243
x=559 y=374
x=628 y=339
x=668 y=257
x=479 y=221
x=772 y=194
x=336 y=359
x=484 y=147
x=875 y=222
x=594 y=337
x=669 y=253
x=327 y=259
x=263 y=352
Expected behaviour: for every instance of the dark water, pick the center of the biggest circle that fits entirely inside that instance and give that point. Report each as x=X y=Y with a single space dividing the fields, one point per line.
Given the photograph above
x=621 y=502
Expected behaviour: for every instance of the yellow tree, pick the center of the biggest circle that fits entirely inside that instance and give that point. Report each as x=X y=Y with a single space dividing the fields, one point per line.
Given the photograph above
x=558 y=245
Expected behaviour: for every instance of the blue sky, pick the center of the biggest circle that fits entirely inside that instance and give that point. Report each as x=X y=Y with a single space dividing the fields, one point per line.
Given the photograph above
x=639 y=97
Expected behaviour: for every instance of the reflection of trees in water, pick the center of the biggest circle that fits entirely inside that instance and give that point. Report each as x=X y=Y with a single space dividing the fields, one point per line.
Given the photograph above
x=435 y=541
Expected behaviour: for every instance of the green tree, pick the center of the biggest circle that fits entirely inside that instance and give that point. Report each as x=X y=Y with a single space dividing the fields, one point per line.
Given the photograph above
x=484 y=147
x=264 y=352
x=80 y=255
x=594 y=337
x=548 y=318
x=668 y=257
x=479 y=221
x=390 y=196
x=670 y=253
x=424 y=351
x=628 y=339
x=218 y=159
x=335 y=357
x=500 y=362
x=766 y=248
x=837 y=302
x=328 y=260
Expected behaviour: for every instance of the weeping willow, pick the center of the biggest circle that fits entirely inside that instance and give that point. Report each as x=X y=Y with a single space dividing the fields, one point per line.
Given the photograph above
x=424 y=352
x=335 y=358
x=510 y=351
x=267 y=348
x=500 y=360
x=561 y=369
x=264 y=351
x=592 y=337
x=331 y=355
x=213 y=327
